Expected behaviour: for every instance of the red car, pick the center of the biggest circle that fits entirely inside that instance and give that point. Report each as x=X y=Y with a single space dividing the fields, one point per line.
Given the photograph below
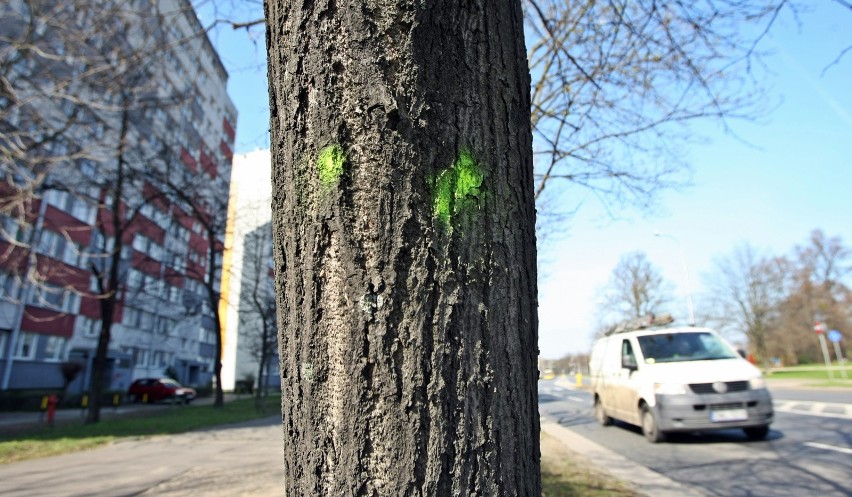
x=156 y=389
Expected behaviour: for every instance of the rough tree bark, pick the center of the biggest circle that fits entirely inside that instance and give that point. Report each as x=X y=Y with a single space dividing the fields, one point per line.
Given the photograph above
x=404 y=245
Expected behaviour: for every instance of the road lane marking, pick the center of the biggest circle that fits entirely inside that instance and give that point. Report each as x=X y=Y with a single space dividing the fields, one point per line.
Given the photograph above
x=842 y=450
x=575 y=399
x=822 y=409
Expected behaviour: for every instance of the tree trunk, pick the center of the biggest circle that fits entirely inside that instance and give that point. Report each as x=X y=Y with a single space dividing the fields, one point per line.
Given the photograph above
x=108 y=276
x=213 y=297
x=404 y=247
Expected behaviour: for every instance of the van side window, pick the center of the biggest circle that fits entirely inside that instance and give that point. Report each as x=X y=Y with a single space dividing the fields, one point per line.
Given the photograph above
x=627 y=349
x=627 y=353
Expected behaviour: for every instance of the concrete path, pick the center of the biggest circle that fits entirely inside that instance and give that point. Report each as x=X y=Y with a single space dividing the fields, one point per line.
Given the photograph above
x=240 y=460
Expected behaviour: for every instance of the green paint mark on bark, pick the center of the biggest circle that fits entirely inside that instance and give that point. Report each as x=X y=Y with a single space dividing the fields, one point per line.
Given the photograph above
x=457 y=187
x=330 y=164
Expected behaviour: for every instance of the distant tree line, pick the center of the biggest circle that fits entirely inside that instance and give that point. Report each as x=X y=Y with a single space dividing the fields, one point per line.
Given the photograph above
x=775 y=300
x=772 y=300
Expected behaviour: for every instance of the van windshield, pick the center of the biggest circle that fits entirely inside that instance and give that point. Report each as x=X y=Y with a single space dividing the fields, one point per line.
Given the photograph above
x=675 y=347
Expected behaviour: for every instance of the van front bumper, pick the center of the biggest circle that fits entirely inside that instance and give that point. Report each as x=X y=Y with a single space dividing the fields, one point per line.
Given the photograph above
x=692 y=412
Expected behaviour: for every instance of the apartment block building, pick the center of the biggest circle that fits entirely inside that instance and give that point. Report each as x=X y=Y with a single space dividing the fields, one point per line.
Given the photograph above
x=116 y=139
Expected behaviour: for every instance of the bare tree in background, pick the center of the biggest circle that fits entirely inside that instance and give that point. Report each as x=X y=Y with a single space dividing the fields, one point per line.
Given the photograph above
x=816 y=289
x=636 y=288
x=258 y=330
x=616 y=83
x=744 y=292
x=210 y=209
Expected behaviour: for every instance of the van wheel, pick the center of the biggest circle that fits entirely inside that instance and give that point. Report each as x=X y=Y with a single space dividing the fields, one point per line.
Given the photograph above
x=600 y=413
x=650 y=427
x=756 y=432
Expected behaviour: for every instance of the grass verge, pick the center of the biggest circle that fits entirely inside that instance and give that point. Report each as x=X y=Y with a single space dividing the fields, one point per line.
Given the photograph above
x=45 y=441
x=818 y=374
x=564 y=475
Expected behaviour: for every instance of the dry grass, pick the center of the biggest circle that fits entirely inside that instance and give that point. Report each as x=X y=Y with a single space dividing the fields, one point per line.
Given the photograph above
x=563 y=474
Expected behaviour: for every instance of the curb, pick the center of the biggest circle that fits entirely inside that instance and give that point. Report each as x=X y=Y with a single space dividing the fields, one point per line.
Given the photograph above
x=640 y=478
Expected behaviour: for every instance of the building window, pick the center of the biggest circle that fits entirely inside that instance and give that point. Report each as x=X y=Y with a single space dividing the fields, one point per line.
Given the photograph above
x=9 y=286
x=74 y=255
x=174 y=295
x=55 y=297
x=51 y=244
x=55 y=349
x=14 y=229
x=164 y=325
x=146 y=320
x=148 y=247
x=69 y=203
x=26 y=346
x=142 y=358
x=130 y=317
x=88 y=327
x=3 y=341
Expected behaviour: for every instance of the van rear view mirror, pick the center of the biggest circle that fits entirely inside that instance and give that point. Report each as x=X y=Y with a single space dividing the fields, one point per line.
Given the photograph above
x=629 y=362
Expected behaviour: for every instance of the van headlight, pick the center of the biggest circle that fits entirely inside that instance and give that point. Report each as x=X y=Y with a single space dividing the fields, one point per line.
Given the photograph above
x=669 y=388
x=757 y=383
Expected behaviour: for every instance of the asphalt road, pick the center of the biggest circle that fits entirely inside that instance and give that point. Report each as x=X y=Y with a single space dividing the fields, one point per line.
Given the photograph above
x=808 y=451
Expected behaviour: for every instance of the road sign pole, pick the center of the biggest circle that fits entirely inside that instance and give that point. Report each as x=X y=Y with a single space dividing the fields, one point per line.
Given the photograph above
x=834 y=336
x=819 y=328
x=840 y=360
x=826 y=356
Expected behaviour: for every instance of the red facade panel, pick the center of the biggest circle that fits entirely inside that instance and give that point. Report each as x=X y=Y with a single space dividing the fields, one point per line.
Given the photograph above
x=12 y=259
x=105 y=218
x=208 y=165
x=228 y=128
x=142 y=262
x=188 y=160
x=60 y=273
x=90 y=307
x=182 y=218
x=195 y=269
x=198 y=243
x=47 y=322
x=226 y=150
x=145 y=226
x=173 y=277
x=66 y=224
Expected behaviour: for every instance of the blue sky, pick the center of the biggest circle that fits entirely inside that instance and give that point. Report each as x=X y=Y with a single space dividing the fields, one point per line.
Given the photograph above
x=770 y=187
x=792 y=176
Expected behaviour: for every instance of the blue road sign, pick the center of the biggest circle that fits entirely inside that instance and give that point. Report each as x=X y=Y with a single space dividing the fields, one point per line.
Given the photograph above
x=834 y=336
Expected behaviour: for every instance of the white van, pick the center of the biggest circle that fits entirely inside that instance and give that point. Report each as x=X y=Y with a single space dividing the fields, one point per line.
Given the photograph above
x=668 y=379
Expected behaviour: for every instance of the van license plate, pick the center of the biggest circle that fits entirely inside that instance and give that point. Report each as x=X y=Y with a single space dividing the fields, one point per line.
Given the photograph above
x=728 y=415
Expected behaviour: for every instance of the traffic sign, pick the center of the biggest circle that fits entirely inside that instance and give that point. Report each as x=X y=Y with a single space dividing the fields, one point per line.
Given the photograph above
x=819 y=327
x=834 y=336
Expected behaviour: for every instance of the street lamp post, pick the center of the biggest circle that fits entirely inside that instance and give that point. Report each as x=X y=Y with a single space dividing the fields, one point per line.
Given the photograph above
x=686 y=271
